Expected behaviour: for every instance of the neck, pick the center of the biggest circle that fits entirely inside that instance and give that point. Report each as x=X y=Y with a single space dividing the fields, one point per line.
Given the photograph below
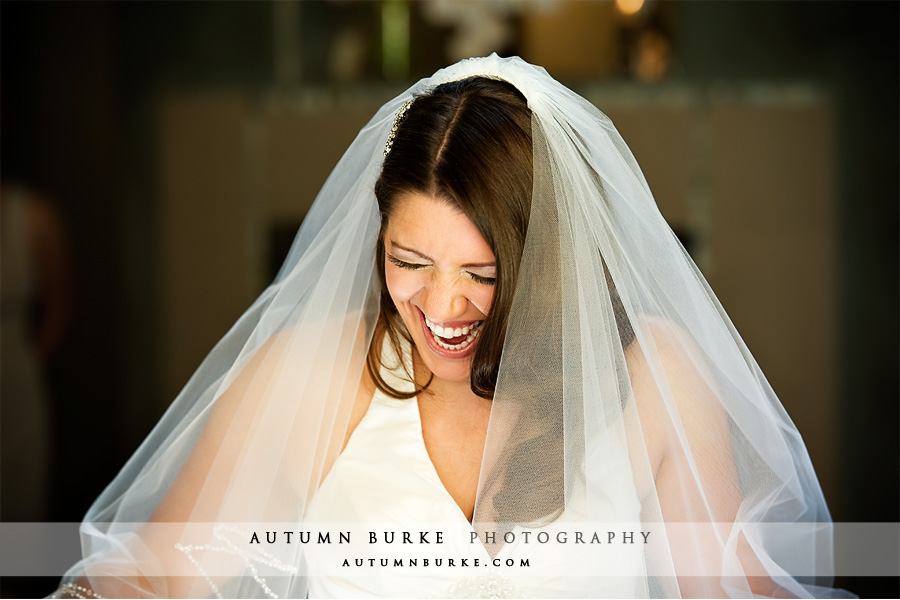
x=448 y=392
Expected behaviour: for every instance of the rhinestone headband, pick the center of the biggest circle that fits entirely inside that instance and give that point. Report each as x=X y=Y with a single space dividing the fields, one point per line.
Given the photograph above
x=400 y=114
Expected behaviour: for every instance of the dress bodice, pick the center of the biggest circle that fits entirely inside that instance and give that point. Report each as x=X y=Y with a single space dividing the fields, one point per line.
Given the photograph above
x=384 y=481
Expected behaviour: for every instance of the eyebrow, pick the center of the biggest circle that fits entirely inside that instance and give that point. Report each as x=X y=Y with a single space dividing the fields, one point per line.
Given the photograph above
x=426 y=257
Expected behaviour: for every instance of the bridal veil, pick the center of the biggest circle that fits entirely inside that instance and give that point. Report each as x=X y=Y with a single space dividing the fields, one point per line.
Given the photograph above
x=616 y=347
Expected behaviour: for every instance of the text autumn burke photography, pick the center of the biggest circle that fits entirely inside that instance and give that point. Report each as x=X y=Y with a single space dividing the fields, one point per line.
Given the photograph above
x=437 y=537
x=422 y=540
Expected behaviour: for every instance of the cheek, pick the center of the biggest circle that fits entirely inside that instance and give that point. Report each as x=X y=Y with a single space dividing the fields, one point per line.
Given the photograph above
x=402 y=285
x=483 y=299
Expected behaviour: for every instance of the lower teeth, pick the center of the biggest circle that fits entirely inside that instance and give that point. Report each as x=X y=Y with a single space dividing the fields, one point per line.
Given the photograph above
x=472 y=335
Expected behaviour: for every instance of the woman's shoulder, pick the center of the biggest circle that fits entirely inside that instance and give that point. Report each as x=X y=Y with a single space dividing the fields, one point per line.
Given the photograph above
x=660 y=342
x=365 y=391
x=668 y=372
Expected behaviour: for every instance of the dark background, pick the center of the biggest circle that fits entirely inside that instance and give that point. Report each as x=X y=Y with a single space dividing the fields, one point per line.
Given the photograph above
x=80 y=82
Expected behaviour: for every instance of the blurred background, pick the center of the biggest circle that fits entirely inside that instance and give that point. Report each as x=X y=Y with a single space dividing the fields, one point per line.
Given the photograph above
x=158 y=157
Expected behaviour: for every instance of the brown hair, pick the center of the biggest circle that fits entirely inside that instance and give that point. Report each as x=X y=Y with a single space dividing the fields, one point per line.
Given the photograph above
x=467 y=142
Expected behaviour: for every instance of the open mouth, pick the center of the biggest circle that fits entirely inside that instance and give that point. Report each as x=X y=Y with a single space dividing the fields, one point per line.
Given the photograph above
x=453 y=338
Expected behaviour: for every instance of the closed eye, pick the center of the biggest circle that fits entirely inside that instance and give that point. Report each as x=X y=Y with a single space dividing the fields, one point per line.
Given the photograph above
x=416 y=266
x=405 y=265
x=482 y=280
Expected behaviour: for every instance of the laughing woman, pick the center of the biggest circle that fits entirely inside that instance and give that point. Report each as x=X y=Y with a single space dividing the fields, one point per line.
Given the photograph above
x=487 y=337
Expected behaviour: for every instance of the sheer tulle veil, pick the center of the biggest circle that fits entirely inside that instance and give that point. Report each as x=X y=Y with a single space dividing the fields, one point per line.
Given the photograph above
x=617 y=353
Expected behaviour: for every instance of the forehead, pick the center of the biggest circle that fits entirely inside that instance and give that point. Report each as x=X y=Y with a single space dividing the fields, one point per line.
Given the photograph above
x=435 y=228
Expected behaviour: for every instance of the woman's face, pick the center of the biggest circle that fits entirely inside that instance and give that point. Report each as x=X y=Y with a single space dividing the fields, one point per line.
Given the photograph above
x=440 y=274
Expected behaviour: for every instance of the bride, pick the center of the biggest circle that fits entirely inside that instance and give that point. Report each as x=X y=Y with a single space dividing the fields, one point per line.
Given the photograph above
x=487 y=368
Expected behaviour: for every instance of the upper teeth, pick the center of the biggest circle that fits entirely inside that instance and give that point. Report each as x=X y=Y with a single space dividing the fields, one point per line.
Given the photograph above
x=450 y=332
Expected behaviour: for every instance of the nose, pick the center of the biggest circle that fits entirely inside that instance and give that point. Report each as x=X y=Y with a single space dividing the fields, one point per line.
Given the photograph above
x=443 y=299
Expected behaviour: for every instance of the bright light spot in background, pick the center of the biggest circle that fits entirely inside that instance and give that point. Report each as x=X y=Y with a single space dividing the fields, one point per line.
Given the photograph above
x=395 y=39
x=629 y=7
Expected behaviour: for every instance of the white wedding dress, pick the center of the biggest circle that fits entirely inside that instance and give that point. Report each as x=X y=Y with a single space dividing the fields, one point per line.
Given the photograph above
x=385 y=481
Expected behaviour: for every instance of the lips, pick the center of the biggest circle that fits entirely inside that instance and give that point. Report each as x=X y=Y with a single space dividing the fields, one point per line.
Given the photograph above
x=454 y=338
x=451 y=340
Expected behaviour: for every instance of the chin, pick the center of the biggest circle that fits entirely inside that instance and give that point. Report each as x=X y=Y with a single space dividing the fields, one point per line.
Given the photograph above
x=451 y=373
x=456 y=370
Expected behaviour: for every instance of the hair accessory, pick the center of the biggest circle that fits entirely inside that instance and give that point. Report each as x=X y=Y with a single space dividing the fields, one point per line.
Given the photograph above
x=400 y=114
